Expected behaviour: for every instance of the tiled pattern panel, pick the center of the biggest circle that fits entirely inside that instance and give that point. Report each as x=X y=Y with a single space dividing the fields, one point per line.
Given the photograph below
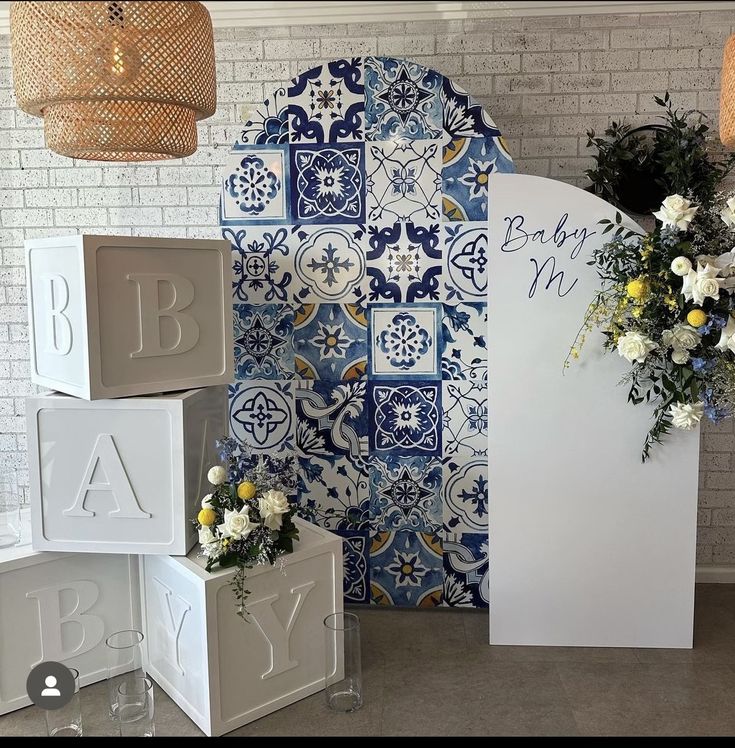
x=356 y=204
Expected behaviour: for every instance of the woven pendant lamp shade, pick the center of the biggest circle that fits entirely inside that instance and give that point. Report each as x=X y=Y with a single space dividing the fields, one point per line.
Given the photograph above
x=727 y=96
x=115 y=81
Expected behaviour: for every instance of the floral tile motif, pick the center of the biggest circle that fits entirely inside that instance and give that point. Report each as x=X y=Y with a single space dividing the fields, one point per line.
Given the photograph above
x=405 y=493
x=467 y=166
x=465 y=261
x=262 y=340
x=404 y=182
x=466 y=571
x=356 y=569
x=262 y=263
x=269 y=122
x=402 y=100
x=405 y=419
x=463 y=116
x=329 y=263
x=331 y=419
x=465 y=418
x=327 y=183
x=465 y=494
x=464 y=345
x=334 y=493
x=330 y=342
x=406 y=569
x=327 y=103
x=404 y=262
x=355 y=200
x=255 y=186
x=262 y=415
x=405 y=341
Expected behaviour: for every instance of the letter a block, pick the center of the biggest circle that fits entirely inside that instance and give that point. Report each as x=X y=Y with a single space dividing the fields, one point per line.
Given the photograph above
x=60 y=607
x=115 y=316
x=121 y=476
x=221 y=670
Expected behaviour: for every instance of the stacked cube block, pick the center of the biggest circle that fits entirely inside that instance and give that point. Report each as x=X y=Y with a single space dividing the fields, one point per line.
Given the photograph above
x=134 y=336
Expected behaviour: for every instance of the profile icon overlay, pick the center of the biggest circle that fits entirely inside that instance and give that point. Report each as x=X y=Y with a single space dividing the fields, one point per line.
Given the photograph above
x=50 y=685
x=50 y=689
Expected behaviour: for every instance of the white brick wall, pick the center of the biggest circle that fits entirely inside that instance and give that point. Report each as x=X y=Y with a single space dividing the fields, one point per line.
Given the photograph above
x=544 y=79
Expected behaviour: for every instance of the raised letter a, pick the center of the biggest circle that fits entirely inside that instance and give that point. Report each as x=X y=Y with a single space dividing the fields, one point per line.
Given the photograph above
x=106 y=456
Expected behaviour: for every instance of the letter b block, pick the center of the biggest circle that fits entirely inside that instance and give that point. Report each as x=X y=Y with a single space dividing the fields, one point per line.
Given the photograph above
x=121 y=476
x=114 y=316
x=60 y=607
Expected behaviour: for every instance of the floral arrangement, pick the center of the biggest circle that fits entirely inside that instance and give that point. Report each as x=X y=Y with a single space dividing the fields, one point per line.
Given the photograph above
x=246 y=520
x=667 y=306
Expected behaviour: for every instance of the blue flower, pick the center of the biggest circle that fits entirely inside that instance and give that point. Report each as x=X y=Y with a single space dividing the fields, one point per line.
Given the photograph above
x=716 y=321
x=702 y=364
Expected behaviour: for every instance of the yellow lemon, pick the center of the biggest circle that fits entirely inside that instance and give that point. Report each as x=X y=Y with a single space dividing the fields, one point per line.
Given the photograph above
x=246 y=491
x=697 y=318
x=636 y=289
x=207 y=517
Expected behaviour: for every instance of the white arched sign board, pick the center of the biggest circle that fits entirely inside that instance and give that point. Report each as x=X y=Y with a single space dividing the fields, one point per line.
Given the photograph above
x=588 y=546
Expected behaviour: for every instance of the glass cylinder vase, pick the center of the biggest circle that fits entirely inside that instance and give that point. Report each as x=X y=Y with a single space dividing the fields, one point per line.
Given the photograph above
x=135 y=708
x=124 y=663
x=9 y=509
x=343 y=683
x=66 y=722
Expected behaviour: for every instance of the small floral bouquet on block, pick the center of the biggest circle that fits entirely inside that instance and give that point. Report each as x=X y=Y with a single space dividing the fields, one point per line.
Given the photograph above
x=667 y=306
x=247 y=519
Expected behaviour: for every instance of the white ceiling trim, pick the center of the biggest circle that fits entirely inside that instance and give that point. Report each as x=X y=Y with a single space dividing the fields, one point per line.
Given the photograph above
x=257 y=13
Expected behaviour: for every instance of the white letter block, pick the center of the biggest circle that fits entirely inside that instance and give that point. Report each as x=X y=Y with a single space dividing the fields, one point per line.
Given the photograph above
x=60 y=607
x=115 y=316
x=221 y=670
x=121 y=476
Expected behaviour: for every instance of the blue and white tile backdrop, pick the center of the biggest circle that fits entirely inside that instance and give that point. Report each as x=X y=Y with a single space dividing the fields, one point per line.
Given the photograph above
x=355 y=200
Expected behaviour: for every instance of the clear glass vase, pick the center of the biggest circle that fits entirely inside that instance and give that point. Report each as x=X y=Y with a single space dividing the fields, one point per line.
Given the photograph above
x=135 y=708
x=9 y=508
x=124 y=663
x=343 y=684
x=66 y=722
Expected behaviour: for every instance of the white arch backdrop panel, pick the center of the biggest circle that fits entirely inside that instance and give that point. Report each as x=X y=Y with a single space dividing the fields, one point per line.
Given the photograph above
x=589 y=546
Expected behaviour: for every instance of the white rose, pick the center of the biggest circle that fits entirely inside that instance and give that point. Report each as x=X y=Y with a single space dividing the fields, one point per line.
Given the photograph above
x=680 y=355
x=681 y=266
x=684 y=337
x=633 y=346
x=676 y=211
x=727 y=336
x=686 y=416
x=217 y=475
x=728 y=213
x=207 y=502
x=272 y=504
x=707 y=288
x=236 y=525
x=702 y=283
x=206 y=536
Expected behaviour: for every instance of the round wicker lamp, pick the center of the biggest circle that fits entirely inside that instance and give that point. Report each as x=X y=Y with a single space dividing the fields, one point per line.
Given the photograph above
x=115 y=81
x=727 y=96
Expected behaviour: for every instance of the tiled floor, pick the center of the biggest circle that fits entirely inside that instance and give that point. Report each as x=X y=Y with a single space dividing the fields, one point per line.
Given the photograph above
x=431 y=673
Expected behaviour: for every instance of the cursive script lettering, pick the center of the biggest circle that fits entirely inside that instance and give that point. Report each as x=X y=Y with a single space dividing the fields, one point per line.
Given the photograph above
x=516 y=236
x=554 y=276
x=546 y=271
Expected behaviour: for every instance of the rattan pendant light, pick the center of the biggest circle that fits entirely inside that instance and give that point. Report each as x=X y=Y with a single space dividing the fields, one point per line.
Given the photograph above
x=115 y=81
x=727 y=96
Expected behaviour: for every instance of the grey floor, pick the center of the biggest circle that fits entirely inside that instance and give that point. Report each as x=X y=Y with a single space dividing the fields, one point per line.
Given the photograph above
x=432 y=673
